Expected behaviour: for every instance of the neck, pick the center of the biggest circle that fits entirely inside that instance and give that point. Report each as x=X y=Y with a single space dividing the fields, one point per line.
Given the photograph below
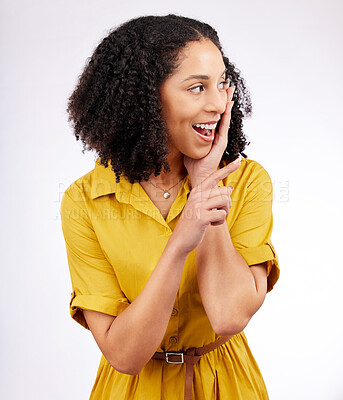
x=177 y=171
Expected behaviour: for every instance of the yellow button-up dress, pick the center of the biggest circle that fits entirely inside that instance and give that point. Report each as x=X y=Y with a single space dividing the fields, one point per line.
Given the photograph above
x=114 y=238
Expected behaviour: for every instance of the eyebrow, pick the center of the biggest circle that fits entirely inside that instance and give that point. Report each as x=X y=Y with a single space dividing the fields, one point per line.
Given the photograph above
x=203 y=77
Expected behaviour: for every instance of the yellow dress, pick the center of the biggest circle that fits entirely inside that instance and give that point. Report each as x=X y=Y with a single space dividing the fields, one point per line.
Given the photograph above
x=115 y=236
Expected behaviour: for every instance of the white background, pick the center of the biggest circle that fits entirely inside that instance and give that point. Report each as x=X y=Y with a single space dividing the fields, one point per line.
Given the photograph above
x=290 y=55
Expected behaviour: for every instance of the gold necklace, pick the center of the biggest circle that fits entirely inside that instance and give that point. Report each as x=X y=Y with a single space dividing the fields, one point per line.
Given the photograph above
x=166 y=193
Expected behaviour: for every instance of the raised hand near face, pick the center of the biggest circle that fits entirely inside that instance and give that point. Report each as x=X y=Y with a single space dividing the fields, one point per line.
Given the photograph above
x=200 y=169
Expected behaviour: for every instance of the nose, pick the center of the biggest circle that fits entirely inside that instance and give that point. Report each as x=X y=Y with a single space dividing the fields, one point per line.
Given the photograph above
x=216 y=101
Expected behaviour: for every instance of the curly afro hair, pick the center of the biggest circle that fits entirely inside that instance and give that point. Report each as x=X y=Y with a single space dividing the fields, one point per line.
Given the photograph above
x=115 y=108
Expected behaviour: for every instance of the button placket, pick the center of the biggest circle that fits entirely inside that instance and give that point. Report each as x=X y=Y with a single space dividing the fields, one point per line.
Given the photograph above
x=172 y=340
x=174 y=312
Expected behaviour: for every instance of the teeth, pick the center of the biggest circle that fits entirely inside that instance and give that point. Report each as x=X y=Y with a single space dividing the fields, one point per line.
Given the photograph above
x=206 y=126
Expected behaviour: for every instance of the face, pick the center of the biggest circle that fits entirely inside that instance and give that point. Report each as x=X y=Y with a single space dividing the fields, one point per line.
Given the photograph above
x=193 y=99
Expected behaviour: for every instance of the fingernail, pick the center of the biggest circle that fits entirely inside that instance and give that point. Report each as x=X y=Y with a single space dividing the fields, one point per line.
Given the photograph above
x=237 y=161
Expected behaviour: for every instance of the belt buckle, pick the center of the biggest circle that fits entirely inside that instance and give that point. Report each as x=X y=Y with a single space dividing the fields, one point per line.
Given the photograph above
x=175 y=354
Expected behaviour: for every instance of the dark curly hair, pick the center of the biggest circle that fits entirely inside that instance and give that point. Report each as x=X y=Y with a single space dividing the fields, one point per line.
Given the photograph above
x=115 y=108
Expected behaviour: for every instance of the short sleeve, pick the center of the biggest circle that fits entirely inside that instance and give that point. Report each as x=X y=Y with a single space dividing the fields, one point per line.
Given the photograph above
x=94 y=283
x=252 y=229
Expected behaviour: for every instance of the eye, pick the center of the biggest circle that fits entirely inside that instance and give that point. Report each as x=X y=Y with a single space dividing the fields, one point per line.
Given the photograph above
x=197 y=89
x=224 y=84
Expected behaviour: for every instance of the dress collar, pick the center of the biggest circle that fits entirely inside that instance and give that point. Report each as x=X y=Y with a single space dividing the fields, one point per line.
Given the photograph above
x=104 y=183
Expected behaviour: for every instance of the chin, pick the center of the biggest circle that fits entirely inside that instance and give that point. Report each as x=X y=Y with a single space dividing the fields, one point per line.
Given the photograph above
x=198 y=154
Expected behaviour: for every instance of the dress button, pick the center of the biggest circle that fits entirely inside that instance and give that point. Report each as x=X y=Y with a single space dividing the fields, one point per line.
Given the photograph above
x=174 y=312
x=173 y=340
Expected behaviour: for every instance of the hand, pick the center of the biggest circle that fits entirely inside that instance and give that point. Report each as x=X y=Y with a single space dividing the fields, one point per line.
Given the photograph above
x=200 y=169
x=207 y=205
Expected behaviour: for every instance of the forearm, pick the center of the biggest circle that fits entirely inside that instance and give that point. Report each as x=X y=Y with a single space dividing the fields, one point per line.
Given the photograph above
x=226 y=284
x=137 y=332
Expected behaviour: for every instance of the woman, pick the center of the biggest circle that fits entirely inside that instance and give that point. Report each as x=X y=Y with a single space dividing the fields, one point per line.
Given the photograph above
x=168 y=237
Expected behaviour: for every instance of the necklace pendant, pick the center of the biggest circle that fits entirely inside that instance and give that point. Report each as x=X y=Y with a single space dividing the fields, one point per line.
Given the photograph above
x=166 y=195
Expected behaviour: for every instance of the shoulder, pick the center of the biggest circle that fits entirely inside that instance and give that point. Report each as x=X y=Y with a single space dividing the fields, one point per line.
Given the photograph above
x=251 y=172
x=77 y=194
x=99 y=181
x=84 y=191
x=81 y=187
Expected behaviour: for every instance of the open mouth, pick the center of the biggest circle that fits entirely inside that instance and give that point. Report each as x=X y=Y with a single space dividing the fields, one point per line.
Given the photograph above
x=205 y=130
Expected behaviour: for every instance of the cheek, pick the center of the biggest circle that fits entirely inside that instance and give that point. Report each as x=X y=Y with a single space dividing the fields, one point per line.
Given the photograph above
x=188 y=112
x=179 y=116
x=179 y=111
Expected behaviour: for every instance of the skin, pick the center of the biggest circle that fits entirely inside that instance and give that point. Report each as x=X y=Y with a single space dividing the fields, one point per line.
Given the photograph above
x=187 y=100
x=231 y=291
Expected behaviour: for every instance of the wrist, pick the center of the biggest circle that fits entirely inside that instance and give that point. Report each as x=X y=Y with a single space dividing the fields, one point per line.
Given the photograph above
x=175 y=249
x=196 y=181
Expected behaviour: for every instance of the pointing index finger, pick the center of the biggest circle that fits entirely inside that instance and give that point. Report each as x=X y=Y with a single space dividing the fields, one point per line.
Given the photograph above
x=212 y=180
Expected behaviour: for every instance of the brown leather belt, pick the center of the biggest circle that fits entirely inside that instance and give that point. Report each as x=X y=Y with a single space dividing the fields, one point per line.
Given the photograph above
x=190 y=357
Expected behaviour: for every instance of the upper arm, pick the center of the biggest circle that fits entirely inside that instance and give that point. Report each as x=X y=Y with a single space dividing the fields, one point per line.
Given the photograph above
x=99 y=324
x=94 y=281
x=259 y=272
